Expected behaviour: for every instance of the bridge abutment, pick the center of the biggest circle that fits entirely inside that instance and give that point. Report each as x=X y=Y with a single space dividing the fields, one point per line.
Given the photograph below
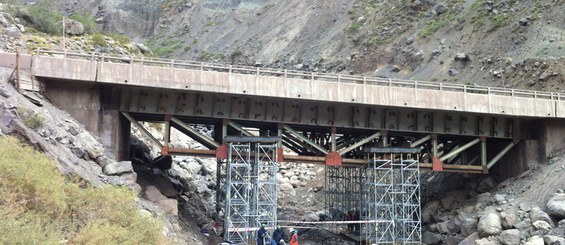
x=97 y=108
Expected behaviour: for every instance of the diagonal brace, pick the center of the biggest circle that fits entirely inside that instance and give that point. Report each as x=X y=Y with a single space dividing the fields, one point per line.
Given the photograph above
x=204 y=138
x=308 y=141
x=500 y=155
x=460 y=149
x=359 y=143
x=240 y=128
x=421 y=141
x=142 y=129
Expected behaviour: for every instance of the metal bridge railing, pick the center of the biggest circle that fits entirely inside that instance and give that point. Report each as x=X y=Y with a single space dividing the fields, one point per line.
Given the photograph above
x=259 y=71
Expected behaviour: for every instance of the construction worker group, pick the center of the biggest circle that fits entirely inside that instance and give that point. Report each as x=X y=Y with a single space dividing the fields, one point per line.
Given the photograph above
x=278 y=237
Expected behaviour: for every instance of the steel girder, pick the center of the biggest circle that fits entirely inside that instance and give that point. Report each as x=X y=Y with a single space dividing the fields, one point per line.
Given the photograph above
x=310 y=113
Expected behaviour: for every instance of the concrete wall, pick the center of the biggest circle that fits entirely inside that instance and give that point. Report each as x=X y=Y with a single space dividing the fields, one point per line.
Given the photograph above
x=96 y=107
x=553 y=136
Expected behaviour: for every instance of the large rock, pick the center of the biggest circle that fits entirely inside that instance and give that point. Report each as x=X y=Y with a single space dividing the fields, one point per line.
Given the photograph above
x=556 y=206
x=536 y=214
x=118 y=168
x=286 y=187
x=192 y=166
x=73 y=27
x=508 y=218
x=12 y=31
x=468 y=224
x=470 y=240
x=311 y=217
x=487 y=241
x=169 y=205
x=489 y=225
x=94 y=151
x=431 y=238
x=541 y=225
x=553 y=240
x=429 y=211
x=510 y=237
x=535 y=240
x=153 y=194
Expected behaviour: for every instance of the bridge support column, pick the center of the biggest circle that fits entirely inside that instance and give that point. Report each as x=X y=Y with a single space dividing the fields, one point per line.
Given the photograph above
x=437 y=165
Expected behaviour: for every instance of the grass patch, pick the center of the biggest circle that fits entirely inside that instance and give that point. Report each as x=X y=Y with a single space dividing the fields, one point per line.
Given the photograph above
x=40 y=206
x=44 y=17
x=86 y=20
x=354 y=27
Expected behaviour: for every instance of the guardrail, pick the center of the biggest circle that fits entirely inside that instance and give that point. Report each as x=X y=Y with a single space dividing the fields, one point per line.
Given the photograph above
x=259 y=71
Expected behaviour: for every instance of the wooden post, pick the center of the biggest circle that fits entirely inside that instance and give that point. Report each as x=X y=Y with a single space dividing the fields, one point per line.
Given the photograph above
x=18 y=70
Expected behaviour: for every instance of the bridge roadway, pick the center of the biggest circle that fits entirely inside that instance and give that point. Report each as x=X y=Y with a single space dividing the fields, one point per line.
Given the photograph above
x=322 y=117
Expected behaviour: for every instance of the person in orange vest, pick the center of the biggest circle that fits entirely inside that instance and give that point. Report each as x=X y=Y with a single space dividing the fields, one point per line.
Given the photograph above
x=294 y=237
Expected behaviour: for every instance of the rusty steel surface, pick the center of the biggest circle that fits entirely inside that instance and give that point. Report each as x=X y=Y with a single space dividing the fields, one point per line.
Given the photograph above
x=297 y=86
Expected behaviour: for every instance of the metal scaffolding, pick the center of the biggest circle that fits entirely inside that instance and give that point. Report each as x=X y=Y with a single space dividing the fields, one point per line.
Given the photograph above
x=251 y=189
x=392 y=197
x=343 y=196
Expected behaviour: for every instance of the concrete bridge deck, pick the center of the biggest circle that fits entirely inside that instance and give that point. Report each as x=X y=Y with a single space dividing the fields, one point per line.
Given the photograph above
x=319 y=116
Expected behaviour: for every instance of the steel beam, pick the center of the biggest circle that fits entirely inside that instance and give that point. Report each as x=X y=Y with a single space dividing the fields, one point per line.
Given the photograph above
x=196 y=134
x=239 y=128
x=360 y=143
x=142 y=129
x=493 y=161
x=459 y=150
x=306 y=140
x=420 y=141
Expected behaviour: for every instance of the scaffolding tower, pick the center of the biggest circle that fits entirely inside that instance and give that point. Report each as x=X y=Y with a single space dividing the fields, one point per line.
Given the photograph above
x=250 y=187
x=343 y=196
x=392 y=197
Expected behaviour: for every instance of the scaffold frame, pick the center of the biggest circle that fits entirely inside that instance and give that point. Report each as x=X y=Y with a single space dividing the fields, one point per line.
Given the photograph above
x=343 y=196
x=392 y=212
x=251 y=190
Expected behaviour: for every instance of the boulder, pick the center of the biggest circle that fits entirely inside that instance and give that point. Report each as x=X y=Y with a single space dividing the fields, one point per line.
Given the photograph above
x=286 y=187
x=454 y=239
x=94 y=151
x=429 y=211
x=12 y=31
x=431 y=238
x=521 y=225
x=553 y=240
x=489 y=225
x=73 y=27
x=508 y=219
x=468 y=224
x=153 y=194
x=191 y=166
x=556 y=206
x=535 y=240
x=470 y=240
x=536 y=214
x=541 y=225
x=440 y=8
x=118 y=168
x=510 y=237
x=169 y=205
x=487 y=241
x=311 y=217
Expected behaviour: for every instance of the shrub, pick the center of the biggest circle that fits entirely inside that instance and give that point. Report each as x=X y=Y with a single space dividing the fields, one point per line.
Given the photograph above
x=164 y=48
x=40 y=206
x=87 y=21
x=354 y=28
x=45 y=18
x=98 y=40
x=120 y=38
x=31 y=119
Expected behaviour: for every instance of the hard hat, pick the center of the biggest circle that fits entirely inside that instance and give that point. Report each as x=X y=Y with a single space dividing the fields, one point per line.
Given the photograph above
x=263 y=225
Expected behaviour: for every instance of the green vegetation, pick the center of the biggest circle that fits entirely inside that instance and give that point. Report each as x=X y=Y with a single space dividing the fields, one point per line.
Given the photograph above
x=437 y=23
x=31 y=119
x=354 y=28
x=119 y=38
x=86 y=20
x=98 y=40
x=165 y=47
x=40 y=206
x=44 y=17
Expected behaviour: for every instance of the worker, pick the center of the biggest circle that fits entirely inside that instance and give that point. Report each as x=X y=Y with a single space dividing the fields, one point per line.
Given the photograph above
x=261 y=235
x=278 y=235
x=294 y=237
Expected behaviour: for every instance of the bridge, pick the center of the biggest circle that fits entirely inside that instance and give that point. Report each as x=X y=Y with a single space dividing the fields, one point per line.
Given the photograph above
x=323 y=118
x=373 y=134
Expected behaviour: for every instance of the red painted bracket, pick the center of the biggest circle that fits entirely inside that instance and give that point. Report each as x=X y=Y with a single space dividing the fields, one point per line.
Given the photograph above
x=222 y=151
x=437 y=165
x=333 y=159
x=165 y=151
x=280 y=152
